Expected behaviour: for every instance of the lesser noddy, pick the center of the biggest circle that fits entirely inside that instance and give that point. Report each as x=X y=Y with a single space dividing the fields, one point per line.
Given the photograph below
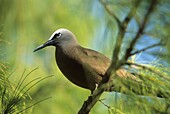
x=83 y=67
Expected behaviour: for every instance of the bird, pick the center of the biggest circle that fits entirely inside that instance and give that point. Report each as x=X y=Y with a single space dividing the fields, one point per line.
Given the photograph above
x=82 y=66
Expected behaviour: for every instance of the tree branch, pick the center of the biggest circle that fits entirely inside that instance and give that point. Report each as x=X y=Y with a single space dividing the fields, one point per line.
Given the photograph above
x=91 y=101
x=111 y=72
x=122 y=30
x=140 y=30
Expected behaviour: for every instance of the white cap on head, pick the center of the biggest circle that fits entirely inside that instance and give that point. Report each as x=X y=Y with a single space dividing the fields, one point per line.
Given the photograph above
x=62 y=38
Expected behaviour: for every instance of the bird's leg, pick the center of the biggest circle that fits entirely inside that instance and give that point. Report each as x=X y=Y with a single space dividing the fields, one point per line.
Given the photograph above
x=92 y=91
x=96 y=86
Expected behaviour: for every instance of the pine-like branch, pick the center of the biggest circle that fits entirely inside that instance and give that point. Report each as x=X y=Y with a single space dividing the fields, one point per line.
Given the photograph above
x=111 y=72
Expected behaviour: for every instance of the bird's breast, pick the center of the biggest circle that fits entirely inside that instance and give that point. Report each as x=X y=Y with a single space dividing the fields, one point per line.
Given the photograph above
x=73 y=69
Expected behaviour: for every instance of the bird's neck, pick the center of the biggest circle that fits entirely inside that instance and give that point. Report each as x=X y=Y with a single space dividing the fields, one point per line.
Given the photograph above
x=67 y=49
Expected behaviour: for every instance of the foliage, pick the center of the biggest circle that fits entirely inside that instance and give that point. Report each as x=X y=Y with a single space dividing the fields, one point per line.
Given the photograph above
x=148 y=79
x=14 y=97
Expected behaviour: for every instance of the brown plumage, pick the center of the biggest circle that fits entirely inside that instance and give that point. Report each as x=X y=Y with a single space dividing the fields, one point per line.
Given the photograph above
x=83 y=67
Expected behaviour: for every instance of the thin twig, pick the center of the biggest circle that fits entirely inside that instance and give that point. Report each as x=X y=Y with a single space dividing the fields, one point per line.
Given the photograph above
x=130 y=14
x=22 y=81
x=110 y=12
x=33 y=105
x=36 y=83
x=148 y=68
x=105 y=105
x=144 y=49
x=18 y=85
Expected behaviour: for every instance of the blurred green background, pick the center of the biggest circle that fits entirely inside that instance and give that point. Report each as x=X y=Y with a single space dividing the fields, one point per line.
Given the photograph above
x=26 y=24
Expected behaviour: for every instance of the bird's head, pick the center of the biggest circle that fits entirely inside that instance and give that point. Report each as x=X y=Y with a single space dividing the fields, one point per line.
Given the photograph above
x=61 y=37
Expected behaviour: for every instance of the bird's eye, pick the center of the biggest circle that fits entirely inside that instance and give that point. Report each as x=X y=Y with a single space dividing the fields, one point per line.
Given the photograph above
x=57 y=35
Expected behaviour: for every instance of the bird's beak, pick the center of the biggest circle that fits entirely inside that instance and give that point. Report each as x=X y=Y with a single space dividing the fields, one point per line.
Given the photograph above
x=48 y=43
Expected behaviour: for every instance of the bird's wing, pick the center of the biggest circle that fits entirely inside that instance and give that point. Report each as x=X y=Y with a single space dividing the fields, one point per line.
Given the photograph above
x=100 y=63
x=97 y=61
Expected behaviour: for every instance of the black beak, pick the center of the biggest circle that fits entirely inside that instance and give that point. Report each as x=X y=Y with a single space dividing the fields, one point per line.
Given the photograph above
x=48 y=43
